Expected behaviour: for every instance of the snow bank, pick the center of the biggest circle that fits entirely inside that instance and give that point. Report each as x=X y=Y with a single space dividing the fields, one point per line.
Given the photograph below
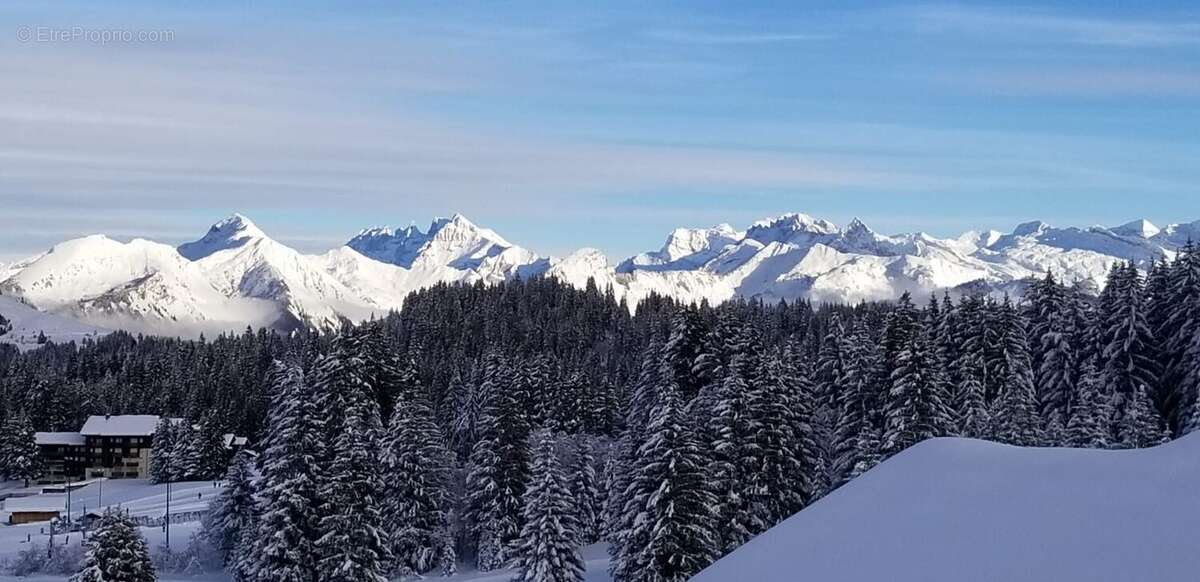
x=958 y=509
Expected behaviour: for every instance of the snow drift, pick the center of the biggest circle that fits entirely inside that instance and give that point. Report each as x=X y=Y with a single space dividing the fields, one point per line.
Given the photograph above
x=958 y=509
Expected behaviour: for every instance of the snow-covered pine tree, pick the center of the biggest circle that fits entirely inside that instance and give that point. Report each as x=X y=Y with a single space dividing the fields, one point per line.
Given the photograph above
x=464 y=409
x=668 y=513
x=546 y=550
x=682 y=348
x=1014 y=412
x=972 y=417
x=212 y=458
x=857 y=398
x=19 y=455
x=784 y=442
x=160 y=453
x=184 y=463
x=829 y=377
x=417 y=503
x=1140 y=426
x=1191 y=380
x=384 y=371
x=285 y=543
x=587 y=505
x=916 y=408
x=230 y=522
x=1128 y=350
x=902 y=323
x=1088 y=425
x=497 y=469
x=353 y=546
x=735 y=460
x=869 y=448
x=116 y=553
x=1179 y=336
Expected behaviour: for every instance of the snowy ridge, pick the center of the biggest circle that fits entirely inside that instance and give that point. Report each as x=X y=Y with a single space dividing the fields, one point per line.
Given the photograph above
x=236 y=275
x=958 y=509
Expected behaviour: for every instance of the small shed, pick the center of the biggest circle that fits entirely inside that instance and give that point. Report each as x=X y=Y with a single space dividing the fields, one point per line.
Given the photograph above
x=20 y=516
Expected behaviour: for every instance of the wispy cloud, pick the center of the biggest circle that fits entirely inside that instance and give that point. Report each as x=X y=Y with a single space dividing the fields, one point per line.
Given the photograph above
x=1056 y=27
x=1087 y=82
x=747 y=38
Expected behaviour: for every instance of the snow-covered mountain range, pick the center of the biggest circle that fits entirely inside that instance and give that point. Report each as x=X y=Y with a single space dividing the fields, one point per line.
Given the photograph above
x=236 y=275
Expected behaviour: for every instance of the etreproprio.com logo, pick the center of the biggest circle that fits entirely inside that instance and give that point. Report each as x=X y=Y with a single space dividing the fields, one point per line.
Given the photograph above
x=51 y=34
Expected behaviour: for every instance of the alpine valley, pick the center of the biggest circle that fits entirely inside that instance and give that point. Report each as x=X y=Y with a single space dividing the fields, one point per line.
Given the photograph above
x=236 y=275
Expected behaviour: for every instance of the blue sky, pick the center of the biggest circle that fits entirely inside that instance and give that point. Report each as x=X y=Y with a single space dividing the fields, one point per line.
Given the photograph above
x=563 y=126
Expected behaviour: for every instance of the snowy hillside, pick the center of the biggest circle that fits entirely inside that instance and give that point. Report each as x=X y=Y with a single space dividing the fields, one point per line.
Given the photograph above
x=957 y=509
x=28 y=324
x=236 y=275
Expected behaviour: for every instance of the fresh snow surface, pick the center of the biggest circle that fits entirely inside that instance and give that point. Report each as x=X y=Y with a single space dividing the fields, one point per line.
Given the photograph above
x=958 y=509
x=236 y=275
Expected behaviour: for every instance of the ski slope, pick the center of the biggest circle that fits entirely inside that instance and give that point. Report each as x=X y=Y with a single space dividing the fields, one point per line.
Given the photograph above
x=949 y=510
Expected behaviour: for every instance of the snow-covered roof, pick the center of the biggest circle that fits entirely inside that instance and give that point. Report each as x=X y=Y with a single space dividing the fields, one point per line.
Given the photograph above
x=59 y=438
x=232 y=440
x=120 y=425
x=37 y=503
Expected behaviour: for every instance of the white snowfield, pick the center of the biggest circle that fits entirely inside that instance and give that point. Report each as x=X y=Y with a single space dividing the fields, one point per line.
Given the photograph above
x=954 y=510
x=236 y=275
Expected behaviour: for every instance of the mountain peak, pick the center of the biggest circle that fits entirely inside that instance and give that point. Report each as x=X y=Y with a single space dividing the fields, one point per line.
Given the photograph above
x=1033 y=227
x=227 y=233
x=1141 y=228
x=785 y=227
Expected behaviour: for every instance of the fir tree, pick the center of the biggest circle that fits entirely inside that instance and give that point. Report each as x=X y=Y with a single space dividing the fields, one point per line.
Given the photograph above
x=497 y=469
x=546 y=550
x=785 y=443
x=116 y=553
x=184 y=462
x=212 y=457
x=972 y=417
x=1014 y=412
x=19 y=455
x=669 y=535
x=353 y=546
x=588 y=506
x=1140 y=426
x=869 y=450
x=857 y=398
x=1088 y=425
x=418 y=501
x=229 y=523
x=160 y=453
x=916 y=407
x=1129 y=365
x=732 y=473
x=285 y=545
